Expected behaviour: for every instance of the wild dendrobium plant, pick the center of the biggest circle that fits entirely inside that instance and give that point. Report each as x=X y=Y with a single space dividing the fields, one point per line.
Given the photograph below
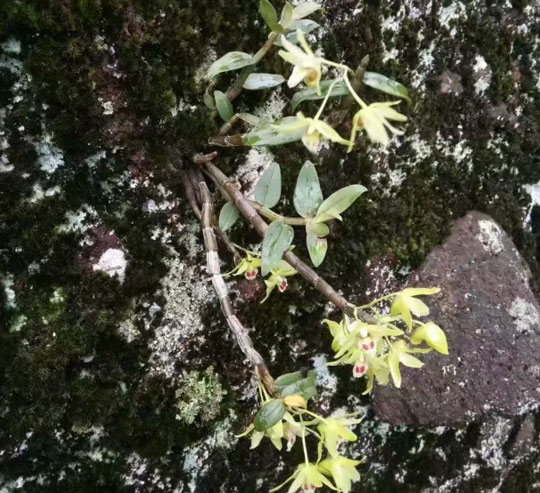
x=375 y=339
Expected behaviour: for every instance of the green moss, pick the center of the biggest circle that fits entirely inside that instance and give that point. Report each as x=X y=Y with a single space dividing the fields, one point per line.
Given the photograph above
x=200 y=396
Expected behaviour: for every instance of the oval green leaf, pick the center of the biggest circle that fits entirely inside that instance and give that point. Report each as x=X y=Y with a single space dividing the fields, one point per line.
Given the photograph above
x=268 y=188
x=307 y=194
x=223 y=105
x=277 y=240
x=231 y=61
x=305 y=25
x=317 y=248
x=209 y=101
x=387 y=85
x=256 y=82
x=269 y=15
x=269 y=414
x=267 y=135
x=289 y=378
x=339 y=201
x=228 y=216
x=308 y=94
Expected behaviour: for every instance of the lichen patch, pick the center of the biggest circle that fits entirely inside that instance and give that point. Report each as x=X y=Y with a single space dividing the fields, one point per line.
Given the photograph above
x=490 y=237
x=525 y=314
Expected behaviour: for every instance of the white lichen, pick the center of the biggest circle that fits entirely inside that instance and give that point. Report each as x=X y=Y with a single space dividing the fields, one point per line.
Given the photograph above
x=490 y=236
x=525 y=315
x=113 y=262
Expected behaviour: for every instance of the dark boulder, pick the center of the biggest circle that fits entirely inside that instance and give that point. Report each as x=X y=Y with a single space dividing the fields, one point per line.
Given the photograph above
x=492 y=321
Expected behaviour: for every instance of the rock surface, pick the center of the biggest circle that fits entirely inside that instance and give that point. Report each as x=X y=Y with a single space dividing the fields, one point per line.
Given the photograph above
x=492 y=321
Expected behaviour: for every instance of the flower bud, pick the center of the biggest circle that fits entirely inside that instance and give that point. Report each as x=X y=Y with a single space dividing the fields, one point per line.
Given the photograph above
x=432 y=335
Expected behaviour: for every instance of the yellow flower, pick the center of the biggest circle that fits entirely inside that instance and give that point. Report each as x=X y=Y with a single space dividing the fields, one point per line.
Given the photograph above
x=335 y=429
x=399 y=353
x=313 y=131
x=249 y=266
x=307 y=66
x=278 y=277
x=342 y=470
x=374 y=119
x=306 y=476
x=432 y=335
x=405 y=303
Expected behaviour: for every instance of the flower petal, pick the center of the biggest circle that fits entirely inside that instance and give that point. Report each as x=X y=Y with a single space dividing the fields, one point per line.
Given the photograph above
x=418 y=307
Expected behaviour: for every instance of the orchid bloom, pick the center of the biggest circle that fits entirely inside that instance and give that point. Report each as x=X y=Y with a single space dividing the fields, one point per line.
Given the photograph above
x=249 y=266
x=314 y=130
x=307 y=66
x=432 y=335
x=278 y=278
x=306 y=476
x=342 y=470
x=333 y=430
x=374 y=119
x=405 y=302
x=399 y=353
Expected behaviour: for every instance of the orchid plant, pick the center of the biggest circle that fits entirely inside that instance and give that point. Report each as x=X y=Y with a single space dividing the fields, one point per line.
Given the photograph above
x=375 y=339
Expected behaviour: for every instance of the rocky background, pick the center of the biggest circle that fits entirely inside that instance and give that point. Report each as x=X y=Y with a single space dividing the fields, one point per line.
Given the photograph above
x=117 y=370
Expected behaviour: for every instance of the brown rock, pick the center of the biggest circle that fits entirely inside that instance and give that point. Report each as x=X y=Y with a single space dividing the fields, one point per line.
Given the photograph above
x=492 y=321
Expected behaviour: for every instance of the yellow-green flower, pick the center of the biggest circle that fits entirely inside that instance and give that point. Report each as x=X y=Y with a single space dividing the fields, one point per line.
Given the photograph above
x=377 y=369
x=405 y=302
x=432 y=335
x=306 y=476
x=307 y=66
x=374 y=119
x=400 y=353
x=278 y=278
x=249 y=266
x=313 y=131
x=342 y=470
x=333 y=430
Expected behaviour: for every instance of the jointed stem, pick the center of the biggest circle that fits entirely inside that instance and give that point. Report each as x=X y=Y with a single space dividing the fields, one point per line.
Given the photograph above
x=236 y=88
x=212 y=259
x=233 y=194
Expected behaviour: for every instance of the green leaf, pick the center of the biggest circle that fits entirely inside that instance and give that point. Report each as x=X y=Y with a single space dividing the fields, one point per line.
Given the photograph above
x=371 y=79
x=267 y=135
x=339 y=201
x=320 y=229
x=307 y=194
x=231 y=61
x=305 y=25
x=269 y=15
x=255 y=82
x=286 y=16
x=289 y=378
x=277 y=240
x=269 y=414
x=249 y=118
x=387 y=85
x=223 y=105
x=306 y=387
x=339 y=89
x=209 y=101
x=228 y=215
x=317 y=247
x=268 y=188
